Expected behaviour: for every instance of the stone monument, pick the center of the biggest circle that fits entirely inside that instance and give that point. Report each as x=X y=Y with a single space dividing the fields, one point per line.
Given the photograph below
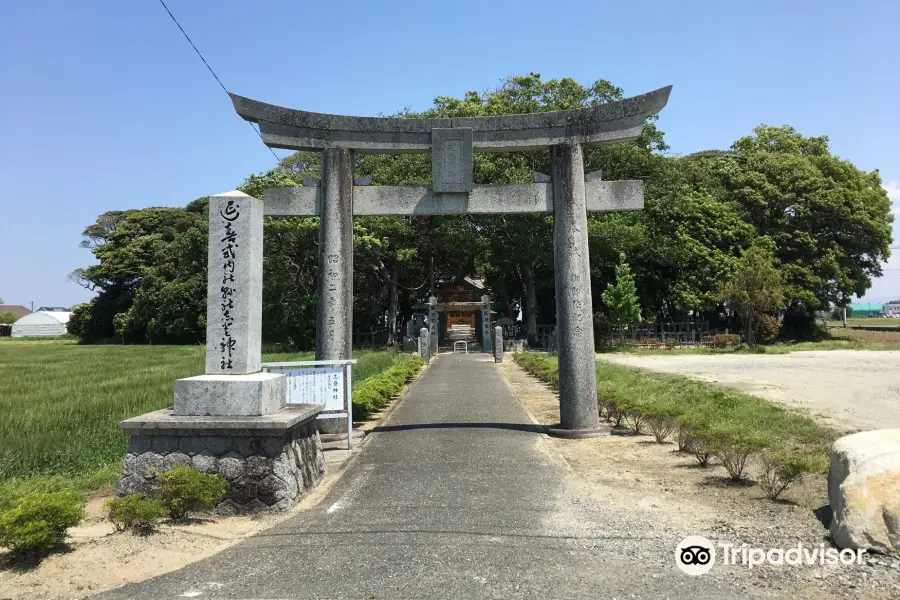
x=425 y=345
x=568 y=193
x=232 y=420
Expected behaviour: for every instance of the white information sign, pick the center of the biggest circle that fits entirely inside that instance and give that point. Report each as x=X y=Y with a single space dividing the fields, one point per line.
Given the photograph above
x=316 y=385
x=319 y=382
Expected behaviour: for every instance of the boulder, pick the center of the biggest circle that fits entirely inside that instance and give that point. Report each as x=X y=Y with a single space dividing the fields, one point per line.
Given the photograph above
x=864 y=490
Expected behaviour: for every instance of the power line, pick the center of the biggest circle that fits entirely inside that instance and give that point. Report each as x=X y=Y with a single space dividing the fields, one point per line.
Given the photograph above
x=219 y=81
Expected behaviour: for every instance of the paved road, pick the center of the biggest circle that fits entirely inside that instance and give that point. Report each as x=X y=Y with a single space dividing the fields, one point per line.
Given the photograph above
x=456 y=496
x=850 y=389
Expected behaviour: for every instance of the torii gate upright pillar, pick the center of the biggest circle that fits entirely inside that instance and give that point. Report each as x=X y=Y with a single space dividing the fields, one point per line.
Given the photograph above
x=334 y=314
x=578 y=412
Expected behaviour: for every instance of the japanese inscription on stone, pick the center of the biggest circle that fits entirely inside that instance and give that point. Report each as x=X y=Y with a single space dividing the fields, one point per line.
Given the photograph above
x=486 y=324
x=451 y=160
x=234 y=292
x=332 y=273
x=229 y=242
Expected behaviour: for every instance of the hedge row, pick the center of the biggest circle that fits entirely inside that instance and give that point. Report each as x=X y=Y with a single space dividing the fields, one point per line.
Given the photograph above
x=376 y=391
x=707 y=421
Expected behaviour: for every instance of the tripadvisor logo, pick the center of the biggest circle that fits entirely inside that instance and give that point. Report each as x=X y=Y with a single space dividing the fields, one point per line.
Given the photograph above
x=696 y=555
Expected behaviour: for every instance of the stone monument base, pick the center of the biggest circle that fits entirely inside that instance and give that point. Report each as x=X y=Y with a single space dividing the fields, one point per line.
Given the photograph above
x=229 y=395
x=270 y=462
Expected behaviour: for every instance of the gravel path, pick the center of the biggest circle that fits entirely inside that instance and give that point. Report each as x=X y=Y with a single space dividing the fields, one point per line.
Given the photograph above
x=849 y=389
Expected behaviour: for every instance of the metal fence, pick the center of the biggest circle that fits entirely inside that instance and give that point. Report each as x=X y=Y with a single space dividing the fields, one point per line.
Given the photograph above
x=684 y=333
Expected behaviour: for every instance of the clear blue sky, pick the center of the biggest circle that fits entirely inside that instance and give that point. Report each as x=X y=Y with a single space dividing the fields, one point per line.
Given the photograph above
x=105 y=106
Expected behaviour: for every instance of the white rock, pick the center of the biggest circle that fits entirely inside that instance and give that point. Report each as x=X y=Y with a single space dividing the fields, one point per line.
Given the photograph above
x=864 y=490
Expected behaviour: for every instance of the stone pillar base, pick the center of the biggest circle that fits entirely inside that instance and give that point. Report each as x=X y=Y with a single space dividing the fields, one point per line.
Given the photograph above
x=270 y=462
x=576 y=434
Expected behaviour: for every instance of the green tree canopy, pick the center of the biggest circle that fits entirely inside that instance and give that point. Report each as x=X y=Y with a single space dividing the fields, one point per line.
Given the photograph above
x=755 y=288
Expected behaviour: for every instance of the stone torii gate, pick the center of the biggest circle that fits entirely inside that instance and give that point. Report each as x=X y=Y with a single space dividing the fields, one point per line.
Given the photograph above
x=567 y=193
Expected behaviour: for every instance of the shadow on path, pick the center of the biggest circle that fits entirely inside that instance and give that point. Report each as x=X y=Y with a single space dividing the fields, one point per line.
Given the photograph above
x=507 y=426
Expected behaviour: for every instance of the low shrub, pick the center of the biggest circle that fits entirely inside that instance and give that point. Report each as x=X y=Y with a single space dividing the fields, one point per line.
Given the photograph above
x=375 y=392
x=698 y=447
x=734 y=446
x=767 y=329
x=782 y=470
x=184 y=489
x=662 y=421
x=683 y=440
x=672 y=343
x=636 y=419
x=724 y=340
x=615 y=412
x=135 y=512
x=38 y=522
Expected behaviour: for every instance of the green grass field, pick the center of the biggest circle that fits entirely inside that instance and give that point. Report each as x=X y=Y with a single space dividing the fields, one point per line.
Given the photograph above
x=61 y=403
x=842 y=339
x=866 y=322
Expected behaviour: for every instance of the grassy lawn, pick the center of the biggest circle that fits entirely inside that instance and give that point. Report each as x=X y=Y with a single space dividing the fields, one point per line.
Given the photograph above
x=61 y=403
x=865 y=322
x=844 y=339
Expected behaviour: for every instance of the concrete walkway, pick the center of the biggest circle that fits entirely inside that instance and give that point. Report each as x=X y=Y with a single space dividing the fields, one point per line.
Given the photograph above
x=456 y=496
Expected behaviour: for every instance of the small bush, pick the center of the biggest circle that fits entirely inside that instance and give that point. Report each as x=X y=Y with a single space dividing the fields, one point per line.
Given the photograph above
x=734 y=448
x=661 y=426
x=38 y=523
x=683 y=439
x=135 y=512
x=724 y=340
x=184 y=489
x=698 y=447
x=696 y=440
x=616 y=412
x=781 y=471
x=602 y=407
x=672 y=343
x=636 y=420
x=768 y=329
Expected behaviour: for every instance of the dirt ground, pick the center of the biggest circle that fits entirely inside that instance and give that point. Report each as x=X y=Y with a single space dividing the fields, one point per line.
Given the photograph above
x=848 y=389
x=98 y=558
x=635 y=471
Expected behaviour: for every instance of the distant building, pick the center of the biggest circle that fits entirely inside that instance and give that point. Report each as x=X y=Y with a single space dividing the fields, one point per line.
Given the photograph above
x=460 y=300
x=41 y=323
x=891 y=309
x=17 y=311
x=864 y=309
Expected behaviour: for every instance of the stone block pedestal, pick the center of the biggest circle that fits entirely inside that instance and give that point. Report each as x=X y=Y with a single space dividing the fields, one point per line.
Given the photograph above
x=249 y=395
x=270 y=461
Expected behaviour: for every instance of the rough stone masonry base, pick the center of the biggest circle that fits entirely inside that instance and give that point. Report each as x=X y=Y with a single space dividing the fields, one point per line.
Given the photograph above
x=270 y=463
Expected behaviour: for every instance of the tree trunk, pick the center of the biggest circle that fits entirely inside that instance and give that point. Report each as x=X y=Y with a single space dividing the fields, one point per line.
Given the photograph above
x=530 y=305
x=392 y=304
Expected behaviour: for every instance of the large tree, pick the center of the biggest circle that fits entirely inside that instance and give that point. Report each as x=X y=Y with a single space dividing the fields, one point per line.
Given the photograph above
x=830 y=222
